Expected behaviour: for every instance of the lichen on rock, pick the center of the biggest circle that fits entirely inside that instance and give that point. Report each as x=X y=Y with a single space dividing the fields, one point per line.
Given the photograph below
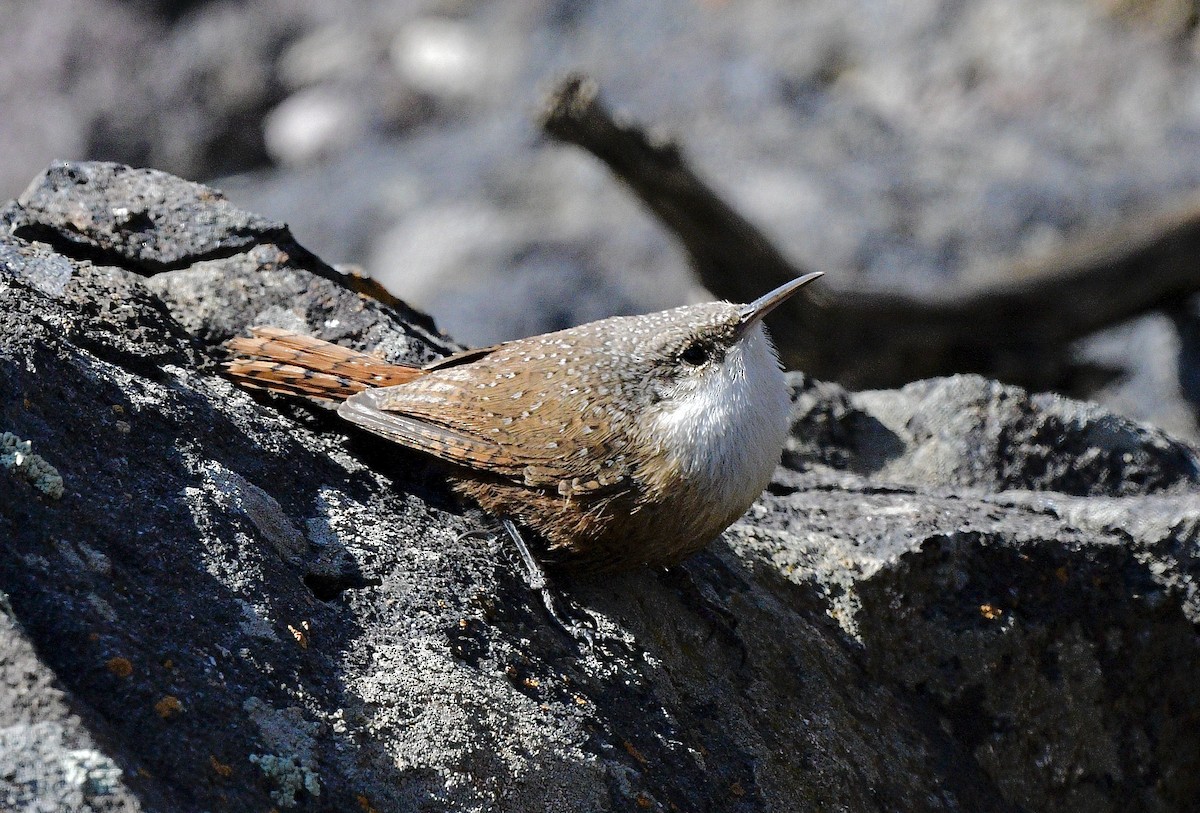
x=17 y=456
x=289 y=775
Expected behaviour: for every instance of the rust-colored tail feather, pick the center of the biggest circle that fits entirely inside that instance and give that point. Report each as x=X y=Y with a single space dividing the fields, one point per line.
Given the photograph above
x=286 y=362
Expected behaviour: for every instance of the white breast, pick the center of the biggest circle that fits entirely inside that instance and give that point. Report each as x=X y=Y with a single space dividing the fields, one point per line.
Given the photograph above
x=724 y=429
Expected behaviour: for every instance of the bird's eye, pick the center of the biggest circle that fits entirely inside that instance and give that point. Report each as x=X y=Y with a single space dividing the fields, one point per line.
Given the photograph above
x=695 y=354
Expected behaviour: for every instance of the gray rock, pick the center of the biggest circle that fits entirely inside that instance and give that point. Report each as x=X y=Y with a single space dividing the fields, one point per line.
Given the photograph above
x=109 y=211
x=956 y=596
x=49 y=759
x=966 y=431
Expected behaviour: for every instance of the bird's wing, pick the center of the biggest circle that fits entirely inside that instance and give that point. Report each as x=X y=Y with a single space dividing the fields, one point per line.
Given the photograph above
x=497 y=415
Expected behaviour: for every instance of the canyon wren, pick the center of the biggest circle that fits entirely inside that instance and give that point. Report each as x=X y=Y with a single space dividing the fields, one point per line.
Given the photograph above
x=630 y=441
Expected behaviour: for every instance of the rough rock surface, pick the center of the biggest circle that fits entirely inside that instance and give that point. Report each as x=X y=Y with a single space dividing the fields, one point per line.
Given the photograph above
x=955 y=596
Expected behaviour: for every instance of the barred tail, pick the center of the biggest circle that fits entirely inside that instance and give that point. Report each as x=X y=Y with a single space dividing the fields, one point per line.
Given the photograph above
x=286 y=362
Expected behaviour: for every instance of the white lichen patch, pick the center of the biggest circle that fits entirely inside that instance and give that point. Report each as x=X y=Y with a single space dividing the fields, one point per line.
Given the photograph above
x=292 y=766
x=17 y=456
x=289 y=776
x=481 y=739
x=91 y=771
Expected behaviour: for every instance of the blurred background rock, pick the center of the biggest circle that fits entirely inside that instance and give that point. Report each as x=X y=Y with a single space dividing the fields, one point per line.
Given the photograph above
x=903 y=146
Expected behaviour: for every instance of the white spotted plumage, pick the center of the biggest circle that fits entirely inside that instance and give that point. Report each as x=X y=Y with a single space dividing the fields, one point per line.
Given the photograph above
x=626 y=441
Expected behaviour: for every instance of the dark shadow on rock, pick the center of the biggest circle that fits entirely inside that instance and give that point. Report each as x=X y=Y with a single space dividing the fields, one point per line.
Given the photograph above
x=830 y=430
x=1062 y=668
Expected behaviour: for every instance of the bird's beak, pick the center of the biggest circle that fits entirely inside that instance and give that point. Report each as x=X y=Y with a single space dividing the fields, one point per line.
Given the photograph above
x=760 y=307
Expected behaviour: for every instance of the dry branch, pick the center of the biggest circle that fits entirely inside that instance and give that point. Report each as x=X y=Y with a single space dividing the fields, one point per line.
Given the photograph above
x=1017 y=329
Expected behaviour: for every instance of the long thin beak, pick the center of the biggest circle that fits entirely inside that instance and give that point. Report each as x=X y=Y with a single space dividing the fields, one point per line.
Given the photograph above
x=760 y=307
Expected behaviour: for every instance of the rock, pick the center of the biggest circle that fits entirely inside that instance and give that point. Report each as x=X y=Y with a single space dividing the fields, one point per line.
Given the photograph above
x=968 y=432
x=110 y=212
x=956 y=596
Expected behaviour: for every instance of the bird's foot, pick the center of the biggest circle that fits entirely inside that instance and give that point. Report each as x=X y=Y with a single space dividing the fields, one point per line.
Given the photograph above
x=535 y=577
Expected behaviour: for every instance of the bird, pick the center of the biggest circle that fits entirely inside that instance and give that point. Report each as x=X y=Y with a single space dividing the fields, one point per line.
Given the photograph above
x=632 y=441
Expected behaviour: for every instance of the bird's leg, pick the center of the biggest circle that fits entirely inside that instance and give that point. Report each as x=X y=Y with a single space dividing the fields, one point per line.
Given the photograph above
x=535 y=577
